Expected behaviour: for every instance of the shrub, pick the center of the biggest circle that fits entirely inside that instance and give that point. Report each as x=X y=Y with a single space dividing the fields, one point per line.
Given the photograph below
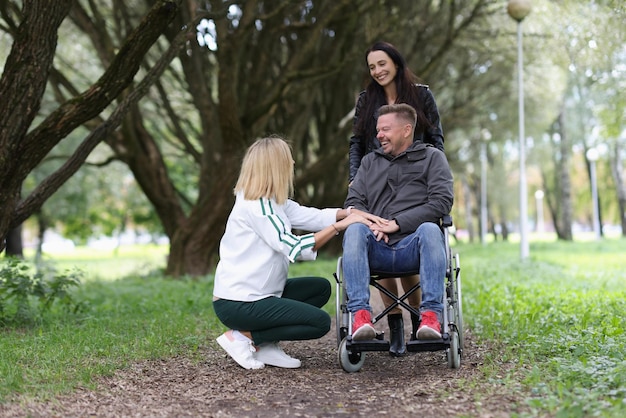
x=26 y=296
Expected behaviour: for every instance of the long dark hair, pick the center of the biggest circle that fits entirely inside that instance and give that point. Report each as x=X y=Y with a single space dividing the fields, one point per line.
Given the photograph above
x=375 y=94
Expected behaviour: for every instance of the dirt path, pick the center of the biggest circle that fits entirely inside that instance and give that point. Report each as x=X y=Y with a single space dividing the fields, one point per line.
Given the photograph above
x=419 y=384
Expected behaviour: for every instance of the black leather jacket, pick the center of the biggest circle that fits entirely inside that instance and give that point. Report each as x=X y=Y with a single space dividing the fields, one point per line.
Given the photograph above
x=359 y=146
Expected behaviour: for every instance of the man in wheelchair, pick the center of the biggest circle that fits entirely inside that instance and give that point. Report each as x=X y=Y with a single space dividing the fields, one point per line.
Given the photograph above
x=410 y=184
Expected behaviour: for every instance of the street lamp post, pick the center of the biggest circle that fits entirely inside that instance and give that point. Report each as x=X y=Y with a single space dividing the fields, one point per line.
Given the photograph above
x=518 y=10
x=592 y=156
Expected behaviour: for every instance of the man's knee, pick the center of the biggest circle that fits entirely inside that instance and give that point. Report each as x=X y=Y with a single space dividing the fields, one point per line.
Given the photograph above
x=430 y=233
x=355 y=235
x=355 y=230
x=429 y=228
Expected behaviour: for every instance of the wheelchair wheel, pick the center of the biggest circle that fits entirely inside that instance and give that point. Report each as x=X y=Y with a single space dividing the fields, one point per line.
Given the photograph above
x=454 y=353
x=350 y=362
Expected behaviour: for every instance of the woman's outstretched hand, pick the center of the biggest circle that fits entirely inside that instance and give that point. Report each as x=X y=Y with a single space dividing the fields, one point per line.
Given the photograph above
x=356 y=215
x=380 y=227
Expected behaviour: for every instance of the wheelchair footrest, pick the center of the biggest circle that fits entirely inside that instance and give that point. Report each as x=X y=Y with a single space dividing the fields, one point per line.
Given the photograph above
x=367 y=345
x=428 y=345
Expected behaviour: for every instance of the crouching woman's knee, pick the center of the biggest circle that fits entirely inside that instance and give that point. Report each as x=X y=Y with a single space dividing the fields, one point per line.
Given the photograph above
x=321 y=324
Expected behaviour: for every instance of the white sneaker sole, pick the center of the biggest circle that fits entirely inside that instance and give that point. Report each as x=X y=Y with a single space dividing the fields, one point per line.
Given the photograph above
x=366 y=332
x=427 y=333
x=286 y=363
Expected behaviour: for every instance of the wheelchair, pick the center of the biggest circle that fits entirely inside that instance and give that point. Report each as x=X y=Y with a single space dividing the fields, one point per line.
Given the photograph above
x=352 y=353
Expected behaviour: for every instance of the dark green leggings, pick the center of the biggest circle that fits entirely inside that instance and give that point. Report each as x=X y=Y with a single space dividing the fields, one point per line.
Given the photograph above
x=294 y=316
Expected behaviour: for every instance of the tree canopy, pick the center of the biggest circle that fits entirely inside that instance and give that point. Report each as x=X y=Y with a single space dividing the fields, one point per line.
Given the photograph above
x=173 y=92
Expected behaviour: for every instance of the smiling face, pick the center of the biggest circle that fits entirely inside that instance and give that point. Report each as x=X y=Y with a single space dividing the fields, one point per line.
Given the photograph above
x=394 y=134
x=382 y=68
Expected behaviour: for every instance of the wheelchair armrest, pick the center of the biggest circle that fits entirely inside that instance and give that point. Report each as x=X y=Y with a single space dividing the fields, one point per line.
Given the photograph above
x=446 y=221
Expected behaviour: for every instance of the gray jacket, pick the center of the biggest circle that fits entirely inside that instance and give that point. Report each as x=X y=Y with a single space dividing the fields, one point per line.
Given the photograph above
x=412 y=188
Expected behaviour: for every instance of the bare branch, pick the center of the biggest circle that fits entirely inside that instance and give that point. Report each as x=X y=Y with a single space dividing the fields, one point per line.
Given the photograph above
x=51 y=184
x=89 y=104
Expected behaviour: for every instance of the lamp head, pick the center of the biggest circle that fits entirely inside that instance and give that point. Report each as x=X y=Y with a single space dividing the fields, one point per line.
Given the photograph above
x=518 y=9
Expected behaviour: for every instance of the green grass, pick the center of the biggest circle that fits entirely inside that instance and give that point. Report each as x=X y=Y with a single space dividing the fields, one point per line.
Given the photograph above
x=553 y=324
x=109 y=264
x=557 y=320
x=119 y=322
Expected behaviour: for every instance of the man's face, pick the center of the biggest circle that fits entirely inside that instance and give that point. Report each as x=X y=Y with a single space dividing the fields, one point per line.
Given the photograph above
x=393 y=134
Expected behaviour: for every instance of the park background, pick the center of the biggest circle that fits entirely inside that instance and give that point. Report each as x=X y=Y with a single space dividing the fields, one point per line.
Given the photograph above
x=123 y=124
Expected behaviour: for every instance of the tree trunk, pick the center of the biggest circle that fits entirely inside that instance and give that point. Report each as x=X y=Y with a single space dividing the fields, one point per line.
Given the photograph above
x=15 y=246
x=565 y=183
x=193 y=248
x=42 y=226
x=21 y=87
x=559 y=199
x=504 y=229
x=617 y=169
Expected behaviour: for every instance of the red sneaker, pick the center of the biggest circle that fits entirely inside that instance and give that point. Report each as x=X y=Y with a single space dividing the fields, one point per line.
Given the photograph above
x=363 y=329
x=429 y=328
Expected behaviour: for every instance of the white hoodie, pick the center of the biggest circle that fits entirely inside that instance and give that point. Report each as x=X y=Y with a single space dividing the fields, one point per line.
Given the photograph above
x=258 y=245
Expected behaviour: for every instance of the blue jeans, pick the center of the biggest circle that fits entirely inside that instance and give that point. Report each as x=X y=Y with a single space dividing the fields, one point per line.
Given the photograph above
x=423 y=251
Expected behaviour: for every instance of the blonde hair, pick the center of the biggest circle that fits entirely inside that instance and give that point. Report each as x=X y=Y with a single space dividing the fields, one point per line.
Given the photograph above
x=267 y=170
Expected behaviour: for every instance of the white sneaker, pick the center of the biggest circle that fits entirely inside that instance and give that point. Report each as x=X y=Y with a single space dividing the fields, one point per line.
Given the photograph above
x=241 y=351
x=271 y=354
